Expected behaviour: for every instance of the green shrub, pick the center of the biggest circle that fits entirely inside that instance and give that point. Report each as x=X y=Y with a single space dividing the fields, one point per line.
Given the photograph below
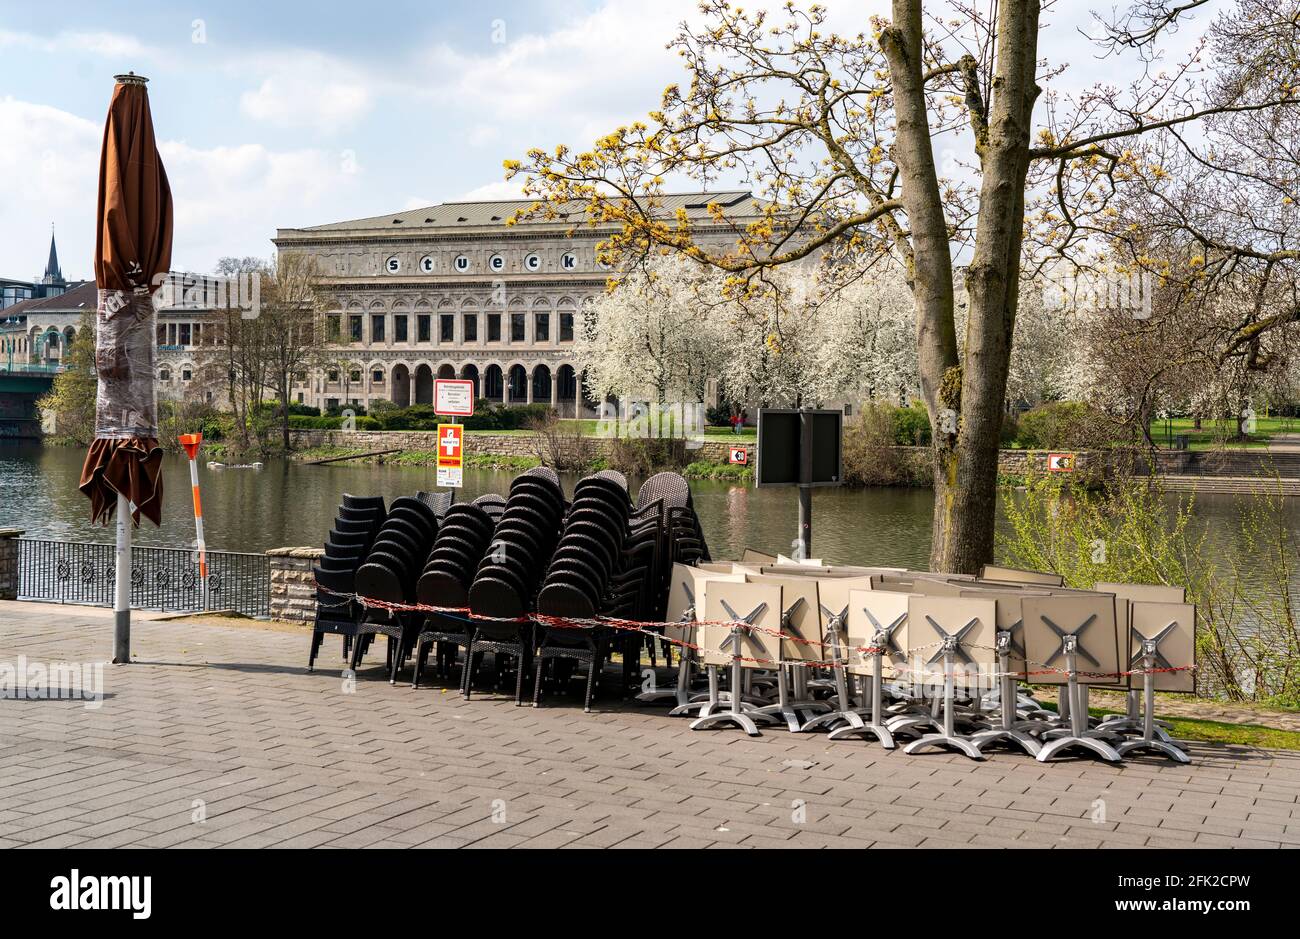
x=911 y=425
x=1061 y=425
x=1010 y=430
x=720 y=414
x=871 y=457
x=486 y=416
x=331 y=422
x=338 y=409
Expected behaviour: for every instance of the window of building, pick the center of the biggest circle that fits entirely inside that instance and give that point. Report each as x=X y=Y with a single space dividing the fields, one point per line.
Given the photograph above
x=331 y=404
x=566 y=327
x=186 y=374
x=377 y=328
x=377 y=376
x=471 y=327
x=333 y=328
x=516 y=327
x=354 y=375
x=354 y=327
x=494 y=327
x=184 y=334
x=423 y=327
x=446 y=328
x=171 y=334
x=542 y=327
x=164 y=374
x=300 y=397
x=399 y=328
x=332 y=375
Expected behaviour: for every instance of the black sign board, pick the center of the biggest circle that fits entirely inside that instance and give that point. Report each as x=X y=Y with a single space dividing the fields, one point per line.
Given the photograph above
x=799 y=447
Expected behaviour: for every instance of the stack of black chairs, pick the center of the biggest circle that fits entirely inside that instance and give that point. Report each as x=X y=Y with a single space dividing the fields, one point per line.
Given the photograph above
x=355 y=526
x=390 y=572
x=462 y=542
x=506 y=583
x=665 y=514
x=504 y=559
x=586 y=568
x=440 y=502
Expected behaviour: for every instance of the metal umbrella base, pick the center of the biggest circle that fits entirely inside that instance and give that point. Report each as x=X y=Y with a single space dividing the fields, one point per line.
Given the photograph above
x=1010 y=732
x=874 y=728
x=946 y=739
x=746 y=717
x=1148 y=739
x=796 y=714
x=1078 y=736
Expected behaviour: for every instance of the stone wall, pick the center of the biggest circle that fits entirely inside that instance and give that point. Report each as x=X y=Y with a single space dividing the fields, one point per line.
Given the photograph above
x=293 y=591
x=9 y=563
x=521 y=445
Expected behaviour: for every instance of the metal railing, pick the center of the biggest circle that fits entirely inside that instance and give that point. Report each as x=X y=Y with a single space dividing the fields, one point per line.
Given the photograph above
x=32 y=368
x=161 y=578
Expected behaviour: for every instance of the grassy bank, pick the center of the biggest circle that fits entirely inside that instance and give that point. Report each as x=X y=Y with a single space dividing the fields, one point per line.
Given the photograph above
x=417 y=458
x=701 y=469
x=1212 y=731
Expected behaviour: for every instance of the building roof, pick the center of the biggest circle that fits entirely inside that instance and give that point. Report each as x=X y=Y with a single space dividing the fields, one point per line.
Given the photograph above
x=452 y=215
x=76 y=299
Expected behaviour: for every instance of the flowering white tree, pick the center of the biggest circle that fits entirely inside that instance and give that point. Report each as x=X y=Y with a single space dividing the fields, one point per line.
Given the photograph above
x=651 y=336
x=868 y=339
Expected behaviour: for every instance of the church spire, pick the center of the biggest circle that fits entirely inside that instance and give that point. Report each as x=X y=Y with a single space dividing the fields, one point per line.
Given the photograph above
x=52 y=273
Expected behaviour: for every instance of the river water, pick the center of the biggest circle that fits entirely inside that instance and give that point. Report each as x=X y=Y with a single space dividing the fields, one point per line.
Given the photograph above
x=292 y=504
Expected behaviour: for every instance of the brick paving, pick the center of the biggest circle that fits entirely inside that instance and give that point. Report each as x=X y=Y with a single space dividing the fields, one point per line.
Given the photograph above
x=225 y=720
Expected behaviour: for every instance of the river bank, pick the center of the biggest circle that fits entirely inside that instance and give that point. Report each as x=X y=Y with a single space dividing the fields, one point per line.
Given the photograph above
x=699 y=458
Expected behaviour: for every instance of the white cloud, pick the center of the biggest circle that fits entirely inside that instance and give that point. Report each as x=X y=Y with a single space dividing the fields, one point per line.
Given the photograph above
x=102 y=44
x=228 y=199
x=307 y=89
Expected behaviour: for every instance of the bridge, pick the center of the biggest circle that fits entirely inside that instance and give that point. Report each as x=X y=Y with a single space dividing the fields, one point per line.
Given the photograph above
x=21 y=384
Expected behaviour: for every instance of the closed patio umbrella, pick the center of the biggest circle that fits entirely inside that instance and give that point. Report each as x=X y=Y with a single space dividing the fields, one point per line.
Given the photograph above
x=133 y=249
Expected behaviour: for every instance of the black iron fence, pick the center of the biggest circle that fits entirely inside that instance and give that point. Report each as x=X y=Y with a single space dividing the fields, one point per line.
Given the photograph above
x=161 y=578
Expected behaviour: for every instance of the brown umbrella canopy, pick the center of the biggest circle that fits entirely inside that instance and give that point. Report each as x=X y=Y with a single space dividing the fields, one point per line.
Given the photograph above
x=133 y=247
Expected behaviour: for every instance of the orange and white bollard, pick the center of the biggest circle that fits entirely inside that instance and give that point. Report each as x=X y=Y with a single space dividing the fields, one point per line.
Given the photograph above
x=191 y=443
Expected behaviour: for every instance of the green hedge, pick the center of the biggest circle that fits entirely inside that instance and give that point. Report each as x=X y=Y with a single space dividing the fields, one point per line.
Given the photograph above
x=487 y=416
x=1062 y=425
x=306 y=422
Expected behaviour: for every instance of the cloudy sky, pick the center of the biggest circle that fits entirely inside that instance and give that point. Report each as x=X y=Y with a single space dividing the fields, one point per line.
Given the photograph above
x=281 y=114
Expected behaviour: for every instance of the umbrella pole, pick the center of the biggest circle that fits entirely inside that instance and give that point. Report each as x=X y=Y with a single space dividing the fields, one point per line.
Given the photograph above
x=122 y=585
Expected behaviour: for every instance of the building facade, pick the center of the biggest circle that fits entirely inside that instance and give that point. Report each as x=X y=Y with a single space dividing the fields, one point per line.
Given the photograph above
x=40 y=332
x=452 y=291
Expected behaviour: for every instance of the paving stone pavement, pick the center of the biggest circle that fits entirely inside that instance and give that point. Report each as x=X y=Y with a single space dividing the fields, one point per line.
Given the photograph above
x=225 y=721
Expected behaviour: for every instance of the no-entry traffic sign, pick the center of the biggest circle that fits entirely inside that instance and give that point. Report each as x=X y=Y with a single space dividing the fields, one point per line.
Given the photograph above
x=451 y=455
x=453 y=397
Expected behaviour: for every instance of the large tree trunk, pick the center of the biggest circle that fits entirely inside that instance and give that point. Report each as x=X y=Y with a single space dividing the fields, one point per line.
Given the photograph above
x=969 y=497
x=965 y=404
